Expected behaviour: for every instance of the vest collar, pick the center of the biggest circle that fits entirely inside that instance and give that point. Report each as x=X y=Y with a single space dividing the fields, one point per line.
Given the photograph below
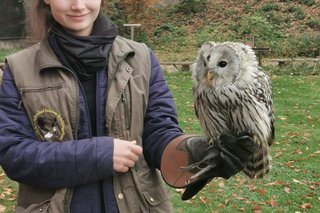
x=46 y=57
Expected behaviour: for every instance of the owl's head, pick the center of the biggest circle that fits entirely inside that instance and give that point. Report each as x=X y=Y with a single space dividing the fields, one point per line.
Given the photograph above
x=219 y=64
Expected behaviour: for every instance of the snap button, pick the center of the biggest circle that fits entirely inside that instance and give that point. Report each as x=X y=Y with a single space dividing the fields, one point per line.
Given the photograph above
x=128 y=69
x=120 y=196
x=40 y=210
x=151 y=199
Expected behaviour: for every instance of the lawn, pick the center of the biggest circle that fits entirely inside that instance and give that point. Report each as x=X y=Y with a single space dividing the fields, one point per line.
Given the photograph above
x=293 y=185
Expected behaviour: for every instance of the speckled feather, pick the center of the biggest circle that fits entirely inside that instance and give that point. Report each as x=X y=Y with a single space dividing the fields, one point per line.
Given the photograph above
x=238 y=98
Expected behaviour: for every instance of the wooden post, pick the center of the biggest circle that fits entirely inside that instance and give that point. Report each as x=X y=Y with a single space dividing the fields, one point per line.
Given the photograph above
x=132 y=26
x=249 y=40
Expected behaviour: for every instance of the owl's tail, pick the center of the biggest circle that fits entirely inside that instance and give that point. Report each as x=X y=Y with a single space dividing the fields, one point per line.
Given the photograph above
x=260 y=164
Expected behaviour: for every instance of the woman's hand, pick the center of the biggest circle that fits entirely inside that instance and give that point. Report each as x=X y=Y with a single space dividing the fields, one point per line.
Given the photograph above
x=125 y=154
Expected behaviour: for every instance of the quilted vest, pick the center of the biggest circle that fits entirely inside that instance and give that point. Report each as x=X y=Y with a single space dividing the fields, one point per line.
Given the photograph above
x=139 y=190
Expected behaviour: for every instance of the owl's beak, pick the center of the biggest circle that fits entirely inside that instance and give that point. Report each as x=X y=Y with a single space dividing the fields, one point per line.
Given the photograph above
x=210 y=76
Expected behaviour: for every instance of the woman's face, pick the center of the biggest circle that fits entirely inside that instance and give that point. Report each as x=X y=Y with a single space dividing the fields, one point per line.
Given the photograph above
x=76 y=16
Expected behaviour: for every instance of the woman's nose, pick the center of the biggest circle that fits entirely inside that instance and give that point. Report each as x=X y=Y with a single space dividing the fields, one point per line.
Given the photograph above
x=78 y=5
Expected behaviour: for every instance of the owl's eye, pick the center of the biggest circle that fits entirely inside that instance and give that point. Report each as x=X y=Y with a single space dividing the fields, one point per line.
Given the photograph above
x=222 y=64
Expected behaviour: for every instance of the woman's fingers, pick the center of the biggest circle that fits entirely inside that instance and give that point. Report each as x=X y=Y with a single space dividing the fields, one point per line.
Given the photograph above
x=125 y=155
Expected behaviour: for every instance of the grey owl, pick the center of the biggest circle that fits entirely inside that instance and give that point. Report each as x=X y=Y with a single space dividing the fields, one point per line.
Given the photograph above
x=232 y=94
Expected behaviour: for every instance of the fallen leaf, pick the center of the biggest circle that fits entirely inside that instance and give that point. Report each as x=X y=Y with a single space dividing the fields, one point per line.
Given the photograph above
x=283 y=118
x=220 y=205
x=2 y=208
x=276 y=183
x=241 y=209
x=180 y=191
x=226 y=202
x=292 y=134
x=296 y=181
x=238 y=197
x=221 y=184
x=313 y=187
x=262 y=192
x=203 y=200
x=287 y=189
x=305 y=206
x=257 y=209
x=273 y=203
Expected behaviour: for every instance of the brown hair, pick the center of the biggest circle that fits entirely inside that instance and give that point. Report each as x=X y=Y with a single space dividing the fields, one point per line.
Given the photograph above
x=39 y=16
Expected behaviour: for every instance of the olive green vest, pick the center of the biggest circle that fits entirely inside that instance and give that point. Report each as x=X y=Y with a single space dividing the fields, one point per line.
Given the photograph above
x=39 y=75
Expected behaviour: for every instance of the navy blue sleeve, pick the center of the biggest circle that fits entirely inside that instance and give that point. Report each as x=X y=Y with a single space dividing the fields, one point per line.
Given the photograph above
x=161 y=122
x=46 y=164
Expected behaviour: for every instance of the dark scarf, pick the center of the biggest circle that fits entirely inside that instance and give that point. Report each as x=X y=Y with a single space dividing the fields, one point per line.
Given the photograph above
x=86 y=54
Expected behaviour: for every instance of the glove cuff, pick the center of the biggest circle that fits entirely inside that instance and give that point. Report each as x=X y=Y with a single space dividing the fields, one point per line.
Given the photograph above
x=174 y=158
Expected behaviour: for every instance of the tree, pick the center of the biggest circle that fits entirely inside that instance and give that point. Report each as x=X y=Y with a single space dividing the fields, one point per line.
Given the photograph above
x=12 y=19
x=127 y=11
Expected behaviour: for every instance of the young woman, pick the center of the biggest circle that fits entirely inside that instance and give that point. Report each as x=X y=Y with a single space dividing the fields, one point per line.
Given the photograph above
x=86 y=117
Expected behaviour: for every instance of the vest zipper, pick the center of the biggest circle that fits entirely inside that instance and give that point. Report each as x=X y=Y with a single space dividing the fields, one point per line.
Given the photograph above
x=69 y=194
x=75 y=130
x=20 y=102
x=112 y=78
x=86 y=105
x=127 y=114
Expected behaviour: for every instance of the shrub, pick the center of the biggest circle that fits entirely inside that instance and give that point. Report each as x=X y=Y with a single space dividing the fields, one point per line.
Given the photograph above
x=297 y=12
x=142 y=36
x=269 y=7
x=302 y=46
x=294 y=68
x=212 y=33
x=168 y=28
x=167 y=33
x=307 y=2
x=191 y=6
x=259 y=26
x=314 y=24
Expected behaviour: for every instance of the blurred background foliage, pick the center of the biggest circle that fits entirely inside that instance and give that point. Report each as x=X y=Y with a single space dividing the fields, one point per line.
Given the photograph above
x=288 y=28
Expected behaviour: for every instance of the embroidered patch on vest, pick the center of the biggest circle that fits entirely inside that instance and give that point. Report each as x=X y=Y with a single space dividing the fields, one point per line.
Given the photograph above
x=49 y=125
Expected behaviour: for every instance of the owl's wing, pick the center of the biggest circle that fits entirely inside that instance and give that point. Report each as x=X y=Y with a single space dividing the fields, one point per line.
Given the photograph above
x=263 y=94
x=262 y=122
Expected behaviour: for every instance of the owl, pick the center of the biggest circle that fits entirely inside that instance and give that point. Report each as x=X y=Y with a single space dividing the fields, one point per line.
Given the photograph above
x=232 y=94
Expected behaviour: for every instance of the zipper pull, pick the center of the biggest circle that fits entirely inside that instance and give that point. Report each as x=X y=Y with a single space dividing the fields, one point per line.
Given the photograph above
x=20 y=102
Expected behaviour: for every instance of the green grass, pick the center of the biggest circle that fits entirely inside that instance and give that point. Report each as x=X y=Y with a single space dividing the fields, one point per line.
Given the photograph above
x=293 y=185
x=5 y=52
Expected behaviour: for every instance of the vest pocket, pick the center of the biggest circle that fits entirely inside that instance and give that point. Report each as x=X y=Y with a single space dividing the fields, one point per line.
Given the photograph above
x=158 y=200
x=48 y=108
x=154 y=199
x=35 y=208
x=32 y=200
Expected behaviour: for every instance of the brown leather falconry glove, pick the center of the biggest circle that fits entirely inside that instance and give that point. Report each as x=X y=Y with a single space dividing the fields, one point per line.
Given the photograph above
x=190 y=162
